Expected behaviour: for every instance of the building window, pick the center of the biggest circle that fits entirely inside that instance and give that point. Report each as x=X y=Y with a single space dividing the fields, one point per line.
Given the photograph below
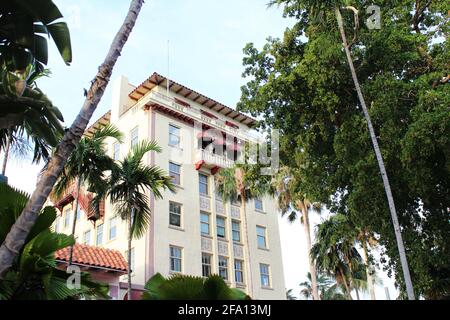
x=87 y=237
x=134 y=137
x=175 y=173
x=265 y=275
x=261 y=234
x=206 y=264
x=116 y=148
x=239 y=271
x=175 y=214
x=174 y=136
x=236 y=230
x=131 y=260
x=99 y=236
x=79 y=214
x=223 y=267
x=112 y=228
x=175 y=259
x=68 y=215
x=57 y=223
x=259 y=205
x=221 y=230
x=204 y=223
x=203 y=184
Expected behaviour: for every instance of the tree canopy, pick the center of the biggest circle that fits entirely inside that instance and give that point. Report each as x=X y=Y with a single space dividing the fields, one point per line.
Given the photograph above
x=301 y=85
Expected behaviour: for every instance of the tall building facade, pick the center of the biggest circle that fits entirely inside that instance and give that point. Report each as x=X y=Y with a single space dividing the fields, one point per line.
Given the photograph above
x=192 y=231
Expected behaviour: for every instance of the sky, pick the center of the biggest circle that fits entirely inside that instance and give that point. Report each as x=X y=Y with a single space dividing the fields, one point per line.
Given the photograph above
x=206 y=40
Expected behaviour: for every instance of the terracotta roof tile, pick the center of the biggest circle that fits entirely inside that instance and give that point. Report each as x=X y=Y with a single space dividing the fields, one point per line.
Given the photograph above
x=94 y=256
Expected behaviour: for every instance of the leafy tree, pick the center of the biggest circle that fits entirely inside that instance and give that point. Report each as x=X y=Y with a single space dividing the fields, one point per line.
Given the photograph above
x=34 y=275
x=87 y=165
x=19 y=232
x=127 y=187
x=291 y=201
x=301 y=85
x=182 y=287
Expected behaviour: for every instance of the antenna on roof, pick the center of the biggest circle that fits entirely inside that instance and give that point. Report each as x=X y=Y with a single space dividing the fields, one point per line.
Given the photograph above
x=168 y=67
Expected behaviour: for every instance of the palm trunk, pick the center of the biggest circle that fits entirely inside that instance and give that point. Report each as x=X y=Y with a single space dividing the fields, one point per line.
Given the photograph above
x=74 y=222
x=20 y=230
x=368 y=273
x=387 y=187
x=347 y=287
x=312 y=265
x=7 y=149
x=130 y=229
x=247 y=244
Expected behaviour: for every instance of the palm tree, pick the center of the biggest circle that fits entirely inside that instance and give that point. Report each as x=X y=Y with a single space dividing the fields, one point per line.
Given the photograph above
x=182 y=287
x=291 y=200
x=334 y=251
x=35 y=276
x=290 y=295
x=87 y=165
x=19 y=232
x=242 y=183
x=337 y=6
x=127 y=187
x=328 y=288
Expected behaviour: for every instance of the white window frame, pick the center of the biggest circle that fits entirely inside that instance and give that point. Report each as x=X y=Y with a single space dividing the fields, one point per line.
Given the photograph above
x=234 y=231
x=180 y=215
x=176 y=174
x=111 y=226
x=224 y=227
x=206 y=264
x=101 y=228
x=264 y=276
x=241 y=271
x=132 y=139
x=172 y=134
x=175 y=258
x=223 y=268
x=258 y=236
x=87 y=232
x=203 y=213
x=200 y=183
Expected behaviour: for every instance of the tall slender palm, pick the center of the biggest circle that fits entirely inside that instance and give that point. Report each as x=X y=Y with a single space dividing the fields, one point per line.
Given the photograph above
x=242 y=183
x=316 y=7
x=127 y=187
x=19 y=232
x=334 y=251
x=387 y=186
x=291 y=201
x=87 y=164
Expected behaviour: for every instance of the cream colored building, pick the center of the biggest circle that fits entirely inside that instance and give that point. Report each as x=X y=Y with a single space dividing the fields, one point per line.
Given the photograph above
x=192 y=231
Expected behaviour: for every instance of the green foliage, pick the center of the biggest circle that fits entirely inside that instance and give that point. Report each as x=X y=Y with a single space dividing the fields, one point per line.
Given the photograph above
x=23 y=28
x=129 y=182
x=329 y=289
x=242 y=182
x=34 y=275
x=89 y=163
x=182 y=287
x=302 y=86
x=24 y=109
